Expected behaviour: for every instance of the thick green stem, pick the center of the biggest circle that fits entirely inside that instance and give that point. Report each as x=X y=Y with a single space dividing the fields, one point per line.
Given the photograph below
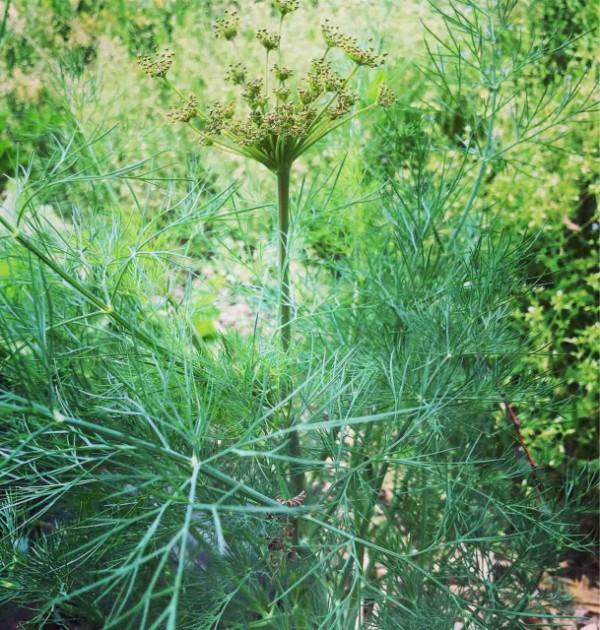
x=283 y=204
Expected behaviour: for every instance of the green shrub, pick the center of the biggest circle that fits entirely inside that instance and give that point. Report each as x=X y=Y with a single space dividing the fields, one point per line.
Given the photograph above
x=546 y=188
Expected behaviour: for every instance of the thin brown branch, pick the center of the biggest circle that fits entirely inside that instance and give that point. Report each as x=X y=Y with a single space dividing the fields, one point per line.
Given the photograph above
x=510 y=410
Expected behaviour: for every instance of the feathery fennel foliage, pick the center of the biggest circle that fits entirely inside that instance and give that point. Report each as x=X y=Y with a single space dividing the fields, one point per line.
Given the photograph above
x=140 y=485
x=145 y=472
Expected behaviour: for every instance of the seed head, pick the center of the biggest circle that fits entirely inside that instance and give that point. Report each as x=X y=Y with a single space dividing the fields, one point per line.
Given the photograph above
x=363 y=56
x=248 y=132
x=280 y=121
x=185 y=113
x=219 y=117
x=282 y=74
x=307 y=96
x=313 y=83
x=332 y=35
x=282 y=94
x=304 y=119
x=270 y=41
x=253 y=94
x=286 y=6
x=385 y=96
x=344 y=103
x=286 y=121
x=156 y=65
x=229 y=26
x=324 y=78
x=237 y=74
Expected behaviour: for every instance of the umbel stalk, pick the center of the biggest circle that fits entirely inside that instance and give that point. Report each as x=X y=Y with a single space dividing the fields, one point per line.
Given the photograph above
x=285 y=294
x=283 y=205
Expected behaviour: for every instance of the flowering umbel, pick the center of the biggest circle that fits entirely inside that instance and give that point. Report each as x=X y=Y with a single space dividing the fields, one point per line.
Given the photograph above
x=361 y=56
x=385 y=96
x=277 y=120
x=185 y=113
x=228 y=27
x=270 y=41
x=156 y=65
x=286 y=6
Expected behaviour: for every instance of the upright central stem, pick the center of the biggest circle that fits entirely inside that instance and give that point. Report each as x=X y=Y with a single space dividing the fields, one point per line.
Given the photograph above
x=283 y=204
x=283 y=191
